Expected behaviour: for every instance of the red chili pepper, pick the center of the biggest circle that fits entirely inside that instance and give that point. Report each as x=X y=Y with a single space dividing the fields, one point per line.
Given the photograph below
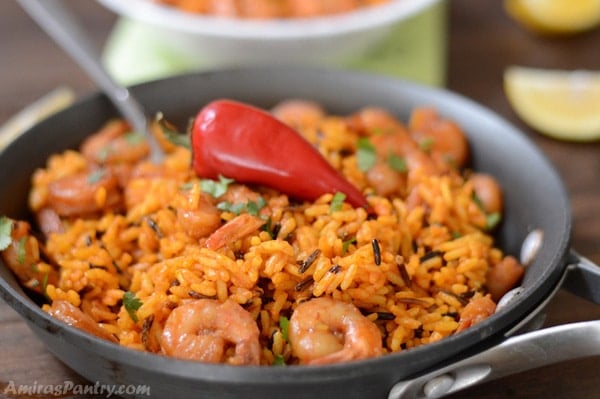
x=249 y=145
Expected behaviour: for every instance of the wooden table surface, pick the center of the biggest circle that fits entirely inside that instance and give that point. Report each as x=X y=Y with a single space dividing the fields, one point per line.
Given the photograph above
x=482 y=42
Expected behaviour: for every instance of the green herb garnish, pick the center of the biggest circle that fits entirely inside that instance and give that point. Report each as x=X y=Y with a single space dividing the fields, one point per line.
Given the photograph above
x=478 y=201
x=178 y=139
x=397 y=163
x=227 y=206
x=279 y=361
x=215 y=188
x=5 y=232
x=268 y=227
x=366 y=156
x=96 y=176
x=336 y=202
x=253 y=207
x=187 y=186
x=492 y=220
x=103 y=153
x=21 y=250
x=45 y=284
x=379 y=131
x=172 y=135
x=346 y=244
x=284 y=325
x=134 y=138
x=426 y=144
x=132 y=304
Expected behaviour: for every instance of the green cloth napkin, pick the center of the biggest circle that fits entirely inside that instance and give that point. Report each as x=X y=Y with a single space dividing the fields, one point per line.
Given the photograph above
x=415 y=49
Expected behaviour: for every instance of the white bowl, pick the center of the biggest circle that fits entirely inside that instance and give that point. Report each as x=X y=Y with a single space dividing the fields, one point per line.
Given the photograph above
x=215 y=42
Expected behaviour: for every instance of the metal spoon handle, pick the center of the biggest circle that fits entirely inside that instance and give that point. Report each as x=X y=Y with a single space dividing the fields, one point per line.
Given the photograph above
x=59 y=23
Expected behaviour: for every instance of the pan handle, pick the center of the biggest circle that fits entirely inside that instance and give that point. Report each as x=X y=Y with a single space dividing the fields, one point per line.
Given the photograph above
x=583 y=278
x=520 y=353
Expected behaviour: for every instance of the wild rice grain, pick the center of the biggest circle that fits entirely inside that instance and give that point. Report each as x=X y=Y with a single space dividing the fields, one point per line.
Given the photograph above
x=376 y=251
x=309 y=261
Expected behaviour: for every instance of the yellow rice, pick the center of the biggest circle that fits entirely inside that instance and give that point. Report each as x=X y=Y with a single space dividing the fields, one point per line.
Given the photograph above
x=102 y=258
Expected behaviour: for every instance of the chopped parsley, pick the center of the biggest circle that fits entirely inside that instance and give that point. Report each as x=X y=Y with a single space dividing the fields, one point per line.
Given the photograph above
x=478 y=201
x=337 y=201
x=397 y=163
x=103 y=153
x=346 y=244
x=366 y=156
x=426 y=144
x=45 y=284
x=268 y=226
x=96 y=176
x=284 y=325
x=132 y=304
x=279 y=361
x=5 y=232
x=21 y=250
x=187 y=186
x=134 y=138
x=215 y=188
x=272 y=229
x=227 y=206
x=378 y=131
x=492 y=220
x=172 y=135
x=252 y=207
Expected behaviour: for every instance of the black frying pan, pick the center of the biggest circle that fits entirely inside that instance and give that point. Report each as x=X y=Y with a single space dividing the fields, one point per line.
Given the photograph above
x=534 y=199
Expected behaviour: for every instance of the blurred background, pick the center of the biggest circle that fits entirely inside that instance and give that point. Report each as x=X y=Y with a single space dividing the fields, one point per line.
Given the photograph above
x=461 y=45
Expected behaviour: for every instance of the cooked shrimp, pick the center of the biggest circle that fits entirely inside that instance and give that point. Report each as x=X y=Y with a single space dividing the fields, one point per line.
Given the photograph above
x=73 y=316
x=49 y=222
x=373 y=121
x=386 y=180
x=444 y=139
x=202 y=220
x=239 y=194
x=23 y=257
x=115 y=143
x=504 y=276
x=203 y=330
x=85 y=193
x=488 y=192
x=403 y=146
x=237 y=228
x=478 y=309
x=391 y=139
x=299 y=113
x=325 y=330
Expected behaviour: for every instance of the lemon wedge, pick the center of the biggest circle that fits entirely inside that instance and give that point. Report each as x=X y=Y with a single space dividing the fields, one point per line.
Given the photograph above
x=558 y=103
x=555 y=16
